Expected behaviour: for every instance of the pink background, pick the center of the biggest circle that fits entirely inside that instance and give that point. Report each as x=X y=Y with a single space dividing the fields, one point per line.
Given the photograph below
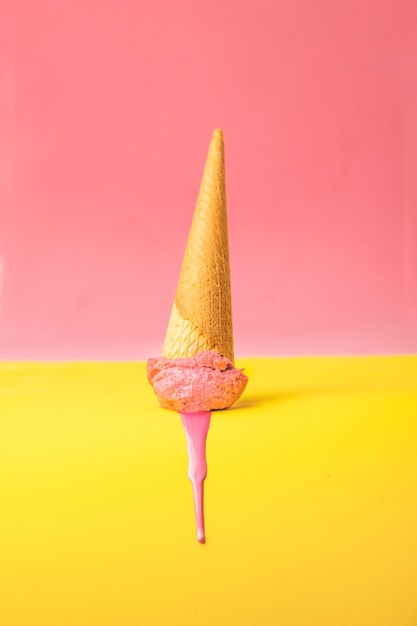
x=106 y=112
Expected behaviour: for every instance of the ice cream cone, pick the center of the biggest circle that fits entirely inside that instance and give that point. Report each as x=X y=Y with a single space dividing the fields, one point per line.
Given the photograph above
x=201 y=317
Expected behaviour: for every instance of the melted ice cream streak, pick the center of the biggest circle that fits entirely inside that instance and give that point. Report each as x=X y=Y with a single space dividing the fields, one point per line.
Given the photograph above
x=196 y=427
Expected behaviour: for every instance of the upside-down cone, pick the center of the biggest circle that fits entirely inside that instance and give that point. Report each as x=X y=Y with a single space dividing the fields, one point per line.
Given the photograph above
x=201 y=317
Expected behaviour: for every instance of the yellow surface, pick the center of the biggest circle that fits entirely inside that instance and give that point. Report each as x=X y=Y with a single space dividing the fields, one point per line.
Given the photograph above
x=311 y=495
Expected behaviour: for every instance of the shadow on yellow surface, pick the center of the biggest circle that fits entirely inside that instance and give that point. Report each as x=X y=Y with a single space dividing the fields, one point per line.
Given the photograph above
x=310 y=498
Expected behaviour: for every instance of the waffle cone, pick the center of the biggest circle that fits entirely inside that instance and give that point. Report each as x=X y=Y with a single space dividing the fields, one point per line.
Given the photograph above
x=201 y=317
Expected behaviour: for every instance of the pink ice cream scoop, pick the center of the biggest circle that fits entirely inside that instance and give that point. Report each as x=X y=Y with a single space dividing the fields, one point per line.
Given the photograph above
x=205 y=382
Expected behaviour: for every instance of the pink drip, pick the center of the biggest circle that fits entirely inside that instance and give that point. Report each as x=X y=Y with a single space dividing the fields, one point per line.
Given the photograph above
x=196 y=427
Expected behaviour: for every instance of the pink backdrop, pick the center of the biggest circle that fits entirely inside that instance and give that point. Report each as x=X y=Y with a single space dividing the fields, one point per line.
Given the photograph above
x=106 y=112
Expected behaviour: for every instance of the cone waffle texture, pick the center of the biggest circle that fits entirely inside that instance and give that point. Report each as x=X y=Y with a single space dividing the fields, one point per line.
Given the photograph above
x=201 y=317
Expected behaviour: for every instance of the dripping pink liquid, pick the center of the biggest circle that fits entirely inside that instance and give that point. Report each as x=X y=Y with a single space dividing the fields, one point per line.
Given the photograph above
x=196 y=427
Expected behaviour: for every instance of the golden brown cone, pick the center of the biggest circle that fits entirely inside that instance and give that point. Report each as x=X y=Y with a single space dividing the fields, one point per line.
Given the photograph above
x=201 y=317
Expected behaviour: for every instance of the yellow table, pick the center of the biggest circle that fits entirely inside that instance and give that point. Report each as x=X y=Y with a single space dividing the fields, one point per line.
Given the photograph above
x=311 y=498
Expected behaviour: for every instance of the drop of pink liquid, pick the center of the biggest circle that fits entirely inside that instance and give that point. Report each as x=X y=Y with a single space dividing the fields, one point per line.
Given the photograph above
x=196 y=427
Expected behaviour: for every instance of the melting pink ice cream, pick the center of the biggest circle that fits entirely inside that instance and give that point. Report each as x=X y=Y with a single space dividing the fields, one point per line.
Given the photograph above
x=194 y=387
x=196 y=427
x=204 y=382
